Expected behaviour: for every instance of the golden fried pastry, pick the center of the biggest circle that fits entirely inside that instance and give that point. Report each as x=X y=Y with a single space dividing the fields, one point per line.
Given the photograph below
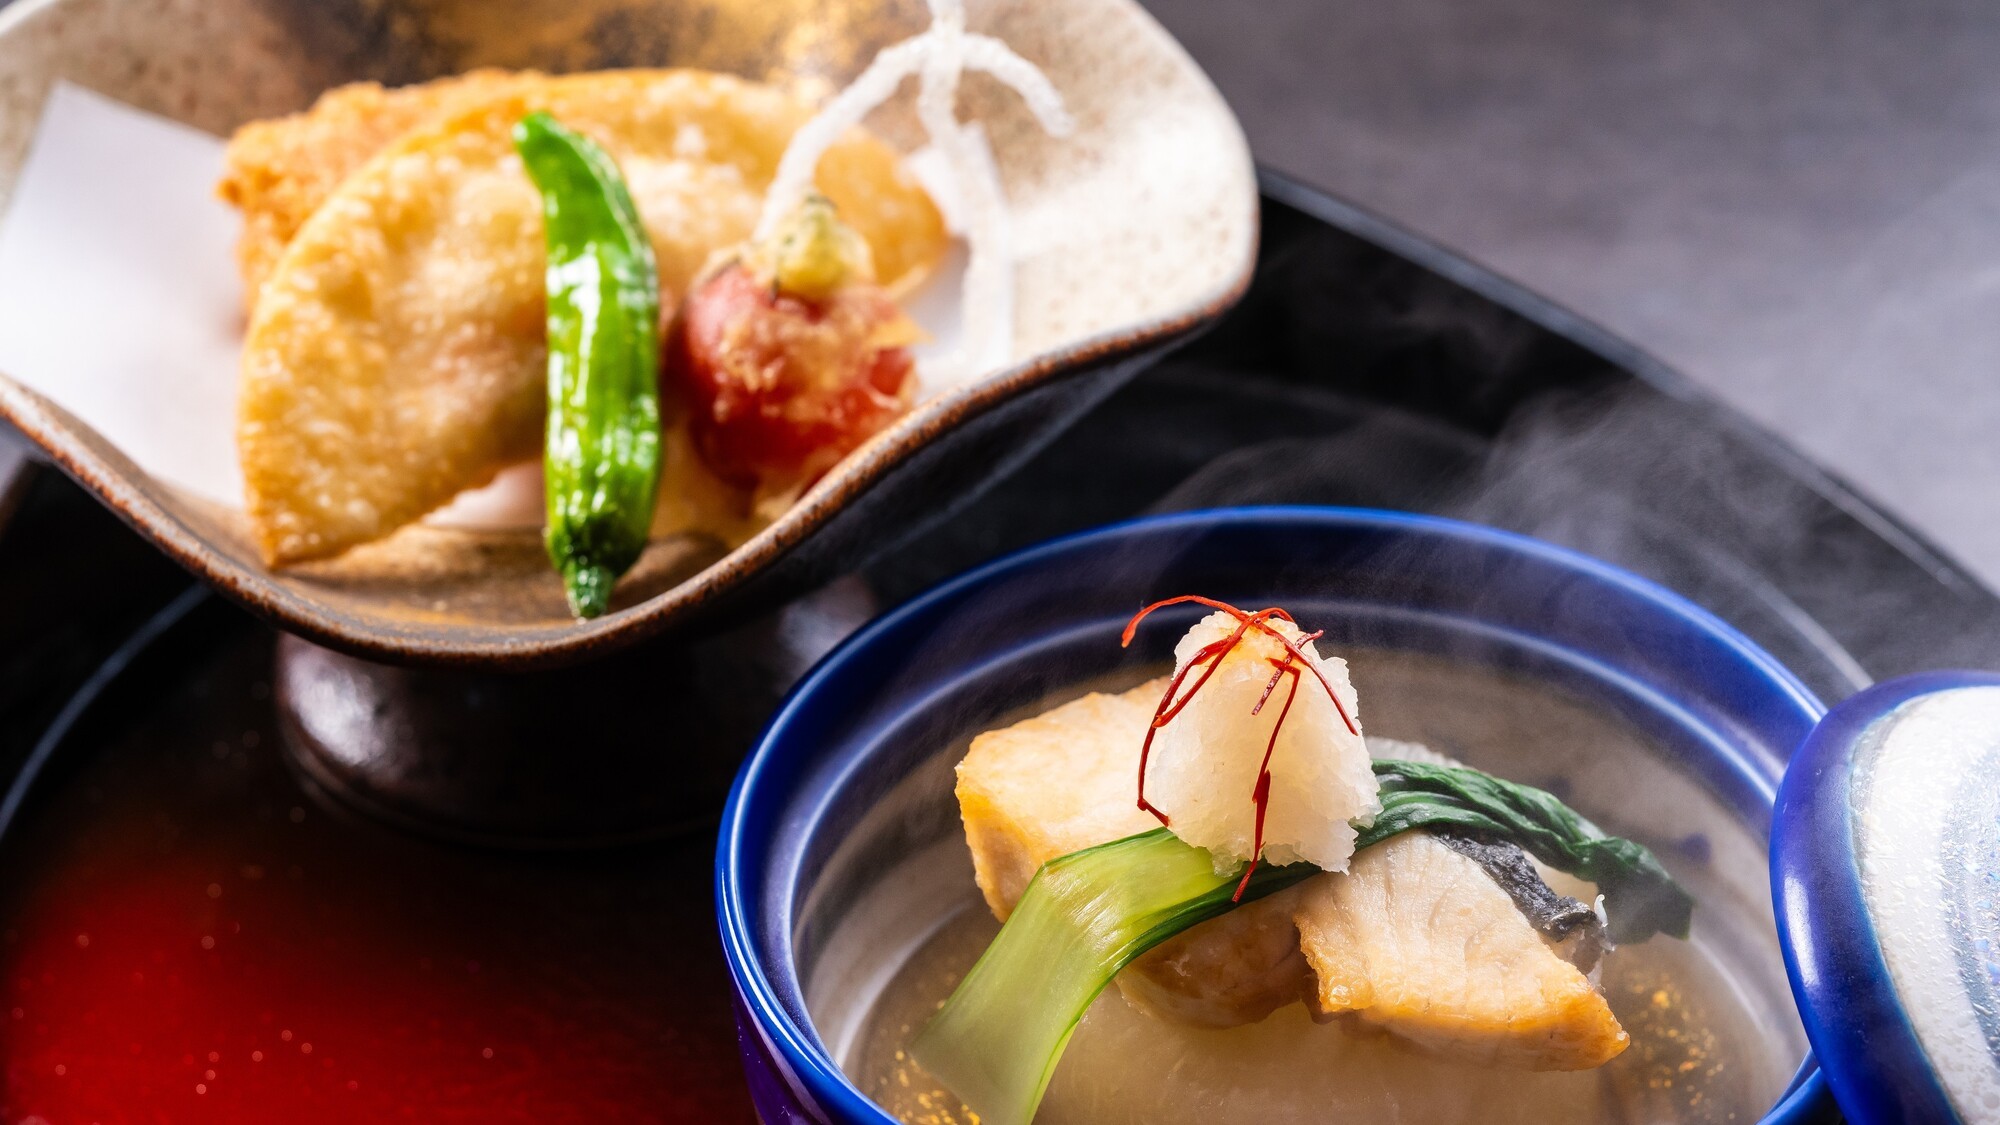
x=396 y=353
x=278 y=172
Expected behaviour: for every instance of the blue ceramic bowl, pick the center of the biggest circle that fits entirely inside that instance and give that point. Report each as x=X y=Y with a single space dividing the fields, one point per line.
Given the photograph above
x=854 y=772
x=1834 y=953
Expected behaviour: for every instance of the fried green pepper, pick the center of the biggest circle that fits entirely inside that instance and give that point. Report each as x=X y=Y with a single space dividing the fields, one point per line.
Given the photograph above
x=602 y=457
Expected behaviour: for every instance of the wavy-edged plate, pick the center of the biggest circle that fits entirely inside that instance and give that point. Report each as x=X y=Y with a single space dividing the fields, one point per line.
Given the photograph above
x=1127 y=237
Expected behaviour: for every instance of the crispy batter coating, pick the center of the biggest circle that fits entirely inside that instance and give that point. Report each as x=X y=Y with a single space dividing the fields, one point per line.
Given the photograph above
x=278 y=172
x=396 y=353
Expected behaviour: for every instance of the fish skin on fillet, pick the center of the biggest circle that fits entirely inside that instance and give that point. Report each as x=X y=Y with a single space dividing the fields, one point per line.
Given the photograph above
x=1418 y=940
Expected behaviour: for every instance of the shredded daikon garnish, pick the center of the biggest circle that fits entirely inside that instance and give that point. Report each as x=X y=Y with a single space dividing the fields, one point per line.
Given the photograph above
x=937 y=57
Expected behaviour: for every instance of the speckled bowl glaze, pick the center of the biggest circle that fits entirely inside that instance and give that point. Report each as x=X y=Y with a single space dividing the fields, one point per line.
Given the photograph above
x=1127 y=237
x=825 y=798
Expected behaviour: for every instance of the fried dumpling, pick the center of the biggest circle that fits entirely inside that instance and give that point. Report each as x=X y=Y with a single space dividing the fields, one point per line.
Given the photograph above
x=277 y=172
x=396 y=355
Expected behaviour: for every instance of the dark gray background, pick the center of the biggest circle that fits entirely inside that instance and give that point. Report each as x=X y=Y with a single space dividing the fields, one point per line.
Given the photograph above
x=1796 y=202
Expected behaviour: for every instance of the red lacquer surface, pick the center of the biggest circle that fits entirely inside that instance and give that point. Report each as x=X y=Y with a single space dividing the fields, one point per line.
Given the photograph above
x=190 y=937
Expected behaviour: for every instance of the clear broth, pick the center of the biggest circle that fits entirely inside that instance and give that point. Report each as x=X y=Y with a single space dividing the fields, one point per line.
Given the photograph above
x=1714 y=1038
x=1697 y=1057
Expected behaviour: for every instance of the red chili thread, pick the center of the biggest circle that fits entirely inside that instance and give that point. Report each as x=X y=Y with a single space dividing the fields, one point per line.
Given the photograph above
x=1269 y=688
x=1210 y=657
x=1260 y=794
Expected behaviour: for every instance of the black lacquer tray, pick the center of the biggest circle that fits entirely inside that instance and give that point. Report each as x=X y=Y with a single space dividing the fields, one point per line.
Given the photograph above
x=137 y=732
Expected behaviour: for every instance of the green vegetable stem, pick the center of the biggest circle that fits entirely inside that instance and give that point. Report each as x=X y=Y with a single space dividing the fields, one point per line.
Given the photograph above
x=1084 y=917
x=602 y=455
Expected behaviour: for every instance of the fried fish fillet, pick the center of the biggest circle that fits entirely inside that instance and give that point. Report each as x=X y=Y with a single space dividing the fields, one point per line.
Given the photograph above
x=278 y=172
x=1062 y=781
x=1414 y=939
x=1418 y=940
x=1051 y=785
x=396 y=355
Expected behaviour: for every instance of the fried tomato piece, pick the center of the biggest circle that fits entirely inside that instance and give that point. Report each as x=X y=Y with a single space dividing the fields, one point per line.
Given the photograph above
x=778 y=387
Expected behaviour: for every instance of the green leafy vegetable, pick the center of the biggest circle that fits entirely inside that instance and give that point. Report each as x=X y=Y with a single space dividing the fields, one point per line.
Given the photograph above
x=602 y=453
x=1084 y=917
x=1087 y=915
x=1641 y=898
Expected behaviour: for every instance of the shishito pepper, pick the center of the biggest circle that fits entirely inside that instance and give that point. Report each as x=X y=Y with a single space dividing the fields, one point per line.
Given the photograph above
x=602 y=455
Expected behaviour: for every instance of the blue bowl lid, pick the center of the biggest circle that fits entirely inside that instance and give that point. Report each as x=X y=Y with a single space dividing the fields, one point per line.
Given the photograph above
x=1885 y=866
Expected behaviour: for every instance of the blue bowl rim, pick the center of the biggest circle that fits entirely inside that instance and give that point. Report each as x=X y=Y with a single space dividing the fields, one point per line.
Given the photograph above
x=794 y=1046
x=1876 y=1066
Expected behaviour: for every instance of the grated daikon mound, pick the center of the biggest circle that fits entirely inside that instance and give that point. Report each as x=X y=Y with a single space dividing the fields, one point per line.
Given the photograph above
x=1204 y=762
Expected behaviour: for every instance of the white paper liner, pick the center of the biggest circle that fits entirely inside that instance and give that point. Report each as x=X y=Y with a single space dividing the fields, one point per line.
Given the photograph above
x=119 y=297
x=120 y=300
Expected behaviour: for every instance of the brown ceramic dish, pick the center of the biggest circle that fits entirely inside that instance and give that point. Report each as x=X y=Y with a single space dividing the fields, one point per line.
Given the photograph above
x=1128 y=236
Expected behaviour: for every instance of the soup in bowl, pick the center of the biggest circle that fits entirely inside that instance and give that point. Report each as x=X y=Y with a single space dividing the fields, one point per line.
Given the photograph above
x=860 y=874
